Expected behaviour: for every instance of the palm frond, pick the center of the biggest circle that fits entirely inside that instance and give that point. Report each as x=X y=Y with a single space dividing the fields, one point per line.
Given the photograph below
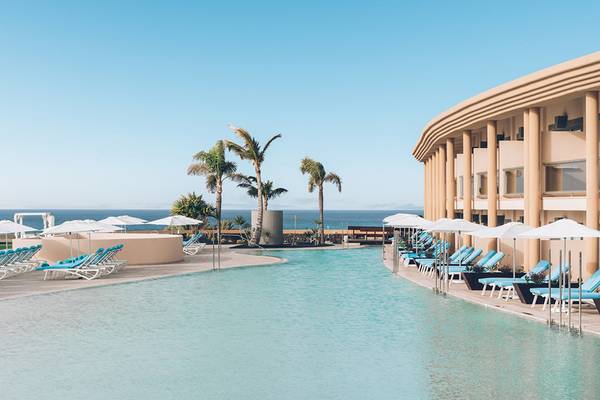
x=268 y=144
x=201 y=156
x=311 y=184
x=211 y=183
x=198 y=169
x=277 y=192
x=237 y=149
x=249 y=150
x=314 y=169
x=335 y=179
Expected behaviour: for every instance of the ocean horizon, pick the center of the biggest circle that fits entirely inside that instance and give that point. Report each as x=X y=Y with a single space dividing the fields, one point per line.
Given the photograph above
x=292 y=219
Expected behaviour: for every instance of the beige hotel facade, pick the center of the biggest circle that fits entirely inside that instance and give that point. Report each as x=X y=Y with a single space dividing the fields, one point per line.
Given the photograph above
x=523 y=151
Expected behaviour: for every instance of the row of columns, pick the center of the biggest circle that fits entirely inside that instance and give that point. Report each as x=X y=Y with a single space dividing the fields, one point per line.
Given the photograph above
x=440 y=189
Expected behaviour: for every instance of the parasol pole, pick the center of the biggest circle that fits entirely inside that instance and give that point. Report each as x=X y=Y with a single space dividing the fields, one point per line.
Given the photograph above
x=559 y=302
x=550 y=293
x=383 y=240
x=570 y=299
x=579 y=281
x=513 y=258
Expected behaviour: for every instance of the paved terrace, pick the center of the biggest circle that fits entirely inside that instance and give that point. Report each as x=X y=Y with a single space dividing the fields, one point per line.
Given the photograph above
x=32 y=283
x=591 y=318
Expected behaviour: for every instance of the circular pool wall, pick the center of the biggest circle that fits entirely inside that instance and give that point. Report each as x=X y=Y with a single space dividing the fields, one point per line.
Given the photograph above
x=139 y=248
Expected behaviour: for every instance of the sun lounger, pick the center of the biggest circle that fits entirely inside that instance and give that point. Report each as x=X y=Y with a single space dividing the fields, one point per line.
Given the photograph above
x=539 y=268
x=588 y=288
x=455 y=269
x=18 y=261
x=487 y=263
x=509 y=284
x=85 y=267
x=425 y=264
x=192 y=246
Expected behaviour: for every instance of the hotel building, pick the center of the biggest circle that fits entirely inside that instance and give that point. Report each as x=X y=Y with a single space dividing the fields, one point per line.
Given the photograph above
x=523 y=151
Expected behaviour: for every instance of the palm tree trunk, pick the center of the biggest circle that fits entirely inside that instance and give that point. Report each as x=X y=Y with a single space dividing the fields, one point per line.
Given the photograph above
x=322 y=235
x=218 y=202
x=260 y=208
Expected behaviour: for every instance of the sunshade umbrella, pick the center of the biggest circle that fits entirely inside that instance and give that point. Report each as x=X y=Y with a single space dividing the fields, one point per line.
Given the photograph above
x=394 y=216
x=123 y=220
x=453 y=225
x=387 y=220
x=176 y=220
x=80 y=226
x=411 y=221
x=7 y=227
x=562 y=229
x=457 y=226
x=509 y=230
x=408 y=221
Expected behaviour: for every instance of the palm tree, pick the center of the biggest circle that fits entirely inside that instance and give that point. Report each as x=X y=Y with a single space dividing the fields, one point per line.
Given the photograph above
x=193 y=206
x=213 y=165
x=251 y=150
x=249 y=182
x=317 y=176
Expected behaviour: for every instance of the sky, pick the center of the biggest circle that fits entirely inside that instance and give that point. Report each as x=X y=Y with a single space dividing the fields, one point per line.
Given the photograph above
x=102 y=105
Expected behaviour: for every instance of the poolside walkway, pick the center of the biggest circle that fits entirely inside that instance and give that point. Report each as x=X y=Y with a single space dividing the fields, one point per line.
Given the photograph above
x=32 y=283
x=590 y=319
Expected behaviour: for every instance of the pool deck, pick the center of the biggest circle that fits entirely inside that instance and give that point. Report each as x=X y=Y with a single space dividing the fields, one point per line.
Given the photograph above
x=32 y=283
x=590 y=318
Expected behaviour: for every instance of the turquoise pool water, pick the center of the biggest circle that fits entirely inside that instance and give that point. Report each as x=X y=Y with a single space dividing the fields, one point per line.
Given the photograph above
x=326 y=325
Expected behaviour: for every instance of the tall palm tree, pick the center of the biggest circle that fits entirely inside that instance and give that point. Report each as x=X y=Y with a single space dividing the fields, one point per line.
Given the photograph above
x=317 y=176
x=249 y=183
x=251 y=150
x=213 y=165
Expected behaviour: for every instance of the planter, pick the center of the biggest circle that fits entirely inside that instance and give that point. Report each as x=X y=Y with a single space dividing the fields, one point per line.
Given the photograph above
x=472 y=278
x=272 y=227
x=524 y=293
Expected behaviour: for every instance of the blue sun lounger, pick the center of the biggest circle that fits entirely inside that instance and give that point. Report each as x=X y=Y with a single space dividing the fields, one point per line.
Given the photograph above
x=458 y=254
x=588 y=289
x=458 y=268
x=438 y=248
x=509 y=285
x=539 y=268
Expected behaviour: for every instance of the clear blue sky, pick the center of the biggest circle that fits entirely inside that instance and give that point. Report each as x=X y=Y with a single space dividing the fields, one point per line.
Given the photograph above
x=102 y=106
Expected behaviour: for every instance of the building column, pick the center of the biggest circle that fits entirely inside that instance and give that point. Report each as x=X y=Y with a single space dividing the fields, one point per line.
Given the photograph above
x=467 y=192
x=534 y=199
x=492 y=177
x=434 y=186
x=525 y=182
x=591 y=179
x=492 y=171
x=450 y=185
x=442 y=183
x=525 y=166
x=425 y=188
x=430 y=187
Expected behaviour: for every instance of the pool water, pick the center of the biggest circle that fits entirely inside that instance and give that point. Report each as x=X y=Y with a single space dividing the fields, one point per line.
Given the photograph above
x=326 y=325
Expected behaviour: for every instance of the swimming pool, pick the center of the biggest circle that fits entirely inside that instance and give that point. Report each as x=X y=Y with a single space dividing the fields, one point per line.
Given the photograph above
x=326 y=325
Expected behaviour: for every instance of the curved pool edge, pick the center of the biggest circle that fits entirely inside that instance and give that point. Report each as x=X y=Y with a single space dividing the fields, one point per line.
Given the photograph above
x=32 y=284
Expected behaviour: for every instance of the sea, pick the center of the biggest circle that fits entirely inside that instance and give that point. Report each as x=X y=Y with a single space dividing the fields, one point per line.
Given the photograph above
x=292 y=219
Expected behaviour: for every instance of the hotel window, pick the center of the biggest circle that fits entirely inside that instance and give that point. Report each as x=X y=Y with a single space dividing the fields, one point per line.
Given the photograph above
x=482 y=184
x=565 y=177
x=513 y=179
x=459 y=187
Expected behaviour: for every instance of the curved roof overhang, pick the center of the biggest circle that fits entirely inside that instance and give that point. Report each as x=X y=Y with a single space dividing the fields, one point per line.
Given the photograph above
x=561 y=80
